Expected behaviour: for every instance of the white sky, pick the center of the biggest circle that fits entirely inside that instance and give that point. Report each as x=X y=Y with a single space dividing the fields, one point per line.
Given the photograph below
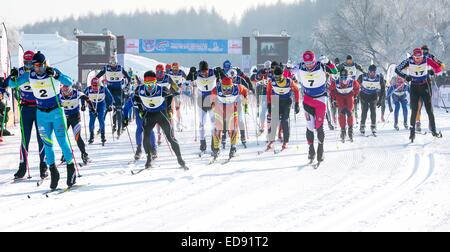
x=20 y=12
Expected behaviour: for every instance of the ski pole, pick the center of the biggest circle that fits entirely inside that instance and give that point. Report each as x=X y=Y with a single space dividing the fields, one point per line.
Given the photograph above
x=85 y=127
x=131 y=141
x=112 y=128
x=23 y=135
x=65 y=125
x=195 y=113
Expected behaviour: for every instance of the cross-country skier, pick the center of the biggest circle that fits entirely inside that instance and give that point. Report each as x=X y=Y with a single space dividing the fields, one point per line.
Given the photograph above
x=117 y=81
x=438 y=67
x=139 y=126
x=420 y=70
x=225 y=99
x=164 y=79
x=312 y=75
x=102 y=100
x=28 y=110
x=205 y=81
x=397 y=93
x=70 y=101
x=279 y=95
x=45 y=81
x=343 y=92
x=179 y=77
x=373 y=88
x=151 y=100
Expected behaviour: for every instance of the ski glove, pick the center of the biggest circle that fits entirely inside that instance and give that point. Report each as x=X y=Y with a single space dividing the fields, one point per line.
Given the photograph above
x=110 y=108
x=14 y=72
x=431 y=72
x=125 y=123
x=391 y=109
x=51 y=71
x=297 y=108
x=324 y=60
x=246 y=108
x=408 y=78
x=83 y=108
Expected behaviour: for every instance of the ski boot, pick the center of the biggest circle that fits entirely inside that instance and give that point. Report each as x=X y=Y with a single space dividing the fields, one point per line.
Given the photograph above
x=20 y=174
x=43 y=170
x=436 y=134
x=350 y=133
x=374 y=130
x=418 y=127
x=85 y=158
x=103 y=139
x=320 y=153
x=71 y=175
x=54 y=177
x=182 y=163
x=233 y=151
x=154 y=153
x=91 y=138
x=63 y=160
x=285 y=146
x=203 y=145
x=311 y=153
x=244 y=143
x=406 y=125
x=396 y=127
x=138 y=153
x=362 y=129
x=148 y=164
x=343 y=135
x=412 y=135
x=330 y=126
x=215 y=153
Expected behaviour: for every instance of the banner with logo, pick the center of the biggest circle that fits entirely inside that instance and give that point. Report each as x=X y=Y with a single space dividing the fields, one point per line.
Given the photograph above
x=183 y=46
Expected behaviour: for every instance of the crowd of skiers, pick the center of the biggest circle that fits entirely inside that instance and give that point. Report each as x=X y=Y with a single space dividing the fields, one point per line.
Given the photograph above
x=328 y=91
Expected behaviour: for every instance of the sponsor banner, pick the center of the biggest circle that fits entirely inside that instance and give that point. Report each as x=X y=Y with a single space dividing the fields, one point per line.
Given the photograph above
x=183 y=46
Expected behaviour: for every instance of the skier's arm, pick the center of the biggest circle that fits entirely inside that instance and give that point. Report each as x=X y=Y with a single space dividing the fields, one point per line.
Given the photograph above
x=17 y=82
x=359 y=68
x=101 y=73
x=192 y=76
x=399 y=69
x=126 y=75
x=296 y=90
x=330 y=68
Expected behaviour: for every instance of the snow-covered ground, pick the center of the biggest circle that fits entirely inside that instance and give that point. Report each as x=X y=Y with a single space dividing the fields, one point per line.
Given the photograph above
x=374 y=184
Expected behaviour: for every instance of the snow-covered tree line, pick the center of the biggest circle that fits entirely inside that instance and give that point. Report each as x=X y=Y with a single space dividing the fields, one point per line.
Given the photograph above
x=384 y=31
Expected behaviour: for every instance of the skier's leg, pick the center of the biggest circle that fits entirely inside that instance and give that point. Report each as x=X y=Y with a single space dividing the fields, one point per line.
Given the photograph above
x=46 y=131
x=61 y=135
x=285 y=112
x=148 y=123
x=139 y=130
x=396 y=111
x=164 y=121
x=28 y=119
x=365 y=110
x=414 y=100
x=426 y=99
x=373 y=113
x=404 y=103
x=76 y=128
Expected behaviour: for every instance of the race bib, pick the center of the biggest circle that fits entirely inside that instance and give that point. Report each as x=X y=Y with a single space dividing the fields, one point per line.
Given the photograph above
x=206 y=84
x=43 y=89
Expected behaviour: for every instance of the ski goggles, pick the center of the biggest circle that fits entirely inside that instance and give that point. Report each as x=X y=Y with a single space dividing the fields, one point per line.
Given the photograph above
x=310 y=64
x=39 y=66
x=149 y=80
x=28 y=64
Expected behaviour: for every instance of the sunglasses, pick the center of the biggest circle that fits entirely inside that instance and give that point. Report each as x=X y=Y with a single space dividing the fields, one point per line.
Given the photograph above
x=38 y=65
x=309 y=63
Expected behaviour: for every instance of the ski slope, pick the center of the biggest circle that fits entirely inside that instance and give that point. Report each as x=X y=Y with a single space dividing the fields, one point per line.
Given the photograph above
x=374 y=184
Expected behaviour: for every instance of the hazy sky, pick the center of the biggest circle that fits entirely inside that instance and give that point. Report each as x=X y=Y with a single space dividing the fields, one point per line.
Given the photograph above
x=18 y=13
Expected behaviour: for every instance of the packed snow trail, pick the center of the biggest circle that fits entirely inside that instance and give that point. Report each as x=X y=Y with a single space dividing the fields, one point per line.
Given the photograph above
x=374 y=184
